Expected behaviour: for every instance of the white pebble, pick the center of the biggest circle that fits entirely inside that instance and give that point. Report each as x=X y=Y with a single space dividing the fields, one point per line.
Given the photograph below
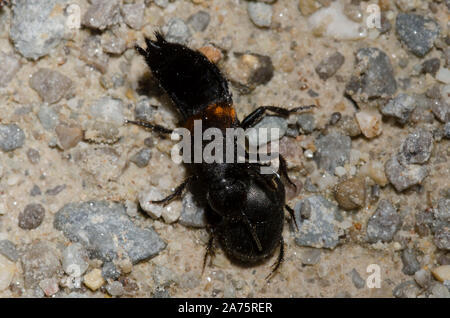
x=443 y=75
x=154 y=210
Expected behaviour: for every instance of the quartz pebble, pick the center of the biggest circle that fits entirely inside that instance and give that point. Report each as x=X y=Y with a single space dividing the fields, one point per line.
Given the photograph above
x=176 y=31
x=260 y=14
x=145 y=198
x=370 y=123
x=441 y=273
x=133 y=15
x=68 y=136
x=199 y=21
x=192 y=214
x=92 y=53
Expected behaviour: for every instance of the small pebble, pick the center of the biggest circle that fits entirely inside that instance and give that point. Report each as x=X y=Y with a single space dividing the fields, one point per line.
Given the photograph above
x=9 y=66
x=102 y=14
x=192 y=215
x=68 y=136
x=417 y=32
x=112 y=44
x=400 y=108
x=49 y=286
x=370 y=123
x=176 y=31
x=330 y=65
x=212 y=53
x=404 y=176
x=199 y=21
x=408 y=289
x=94 y=280
x=410 y=263
x=351 y=194
x=110 y=271
x=9 y=250
x=417 y=147
x=423 y=278
x=260 y=14
x=7 y=272
x=431 y=66
x=32 y=216
x=92 y=53
x=33 y=155
x=357 y=280
x=333 y=150
x=441 y=273
x=153 y=210
x=133 y=15
x=56 y=190
x=115 y=289
x=35 y=191
x=306 y=122
x=261 y=133
x=108 y=109
x=75 y=260
x=142 y=157
x=384 y=223
x=11 y=137
x=50 y=85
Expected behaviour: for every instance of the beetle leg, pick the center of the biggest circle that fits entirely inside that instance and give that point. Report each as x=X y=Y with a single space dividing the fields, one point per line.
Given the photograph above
x=154 y=127
x=291 y=213
x=254 y=117
x=283 y=171
x=209 y=250
x=175 y=194
x=279 y=261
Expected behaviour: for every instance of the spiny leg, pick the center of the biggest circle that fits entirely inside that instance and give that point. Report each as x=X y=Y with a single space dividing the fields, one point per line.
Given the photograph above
x=175 y=194
x=279 y=261
x=154 y=127
x=254 y=117
x=209 y=250
x=283 y=171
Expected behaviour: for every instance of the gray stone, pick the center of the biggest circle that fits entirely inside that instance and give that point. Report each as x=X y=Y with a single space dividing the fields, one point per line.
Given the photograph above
x=447 y=130
x=423 y=278
x=144 y=110
x=374 y=76
x=142 y=157
x=176 y=31
x=330 y=65
x=441 y=109
x=192 y=215
x=349 y=126
x=333 y=150
x=105 y=230
x=133 y=15
x=440 y=291
x=113 y=44
x=32 y=216
x=50 y=85
x=199 y=21
x=403 y=176
x=92 y=53
x=108 y=109
x=255 y=134
x=8 y=249
x=102 y=14
x=410 y=263
x=9 y=66
x=417 y=32
x=110 y=271
x=357 y=280
x=56 y=190
x=407 y=289
x=40 y=261
x=35 y=191
x=115 y=289
x=260 y=14
x=163 y=276
x=400 y=108
x=384 y=223
x=11 y=137
x=442 y=237
x=75 y=260
x=317 y=224
x=417 y=147
x=306 y=123
x=431 y=66
x=33 y=155
x=48 y=117
x=311 y=256
x=37 y=26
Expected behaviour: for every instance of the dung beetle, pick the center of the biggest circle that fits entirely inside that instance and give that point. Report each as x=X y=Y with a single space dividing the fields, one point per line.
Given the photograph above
x=244 y=208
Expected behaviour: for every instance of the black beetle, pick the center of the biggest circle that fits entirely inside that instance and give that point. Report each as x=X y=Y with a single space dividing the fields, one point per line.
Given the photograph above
x=244 y=208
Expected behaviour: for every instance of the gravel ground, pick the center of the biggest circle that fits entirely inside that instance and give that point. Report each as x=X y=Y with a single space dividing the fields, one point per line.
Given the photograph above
x=371 y=162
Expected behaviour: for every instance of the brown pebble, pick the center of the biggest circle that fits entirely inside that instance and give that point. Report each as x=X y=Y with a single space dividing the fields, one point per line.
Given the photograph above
x=68 y=136
x=350 y=194
x=212 y=53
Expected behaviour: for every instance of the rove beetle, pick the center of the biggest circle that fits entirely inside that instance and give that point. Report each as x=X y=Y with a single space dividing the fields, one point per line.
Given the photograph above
x=244 y=208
